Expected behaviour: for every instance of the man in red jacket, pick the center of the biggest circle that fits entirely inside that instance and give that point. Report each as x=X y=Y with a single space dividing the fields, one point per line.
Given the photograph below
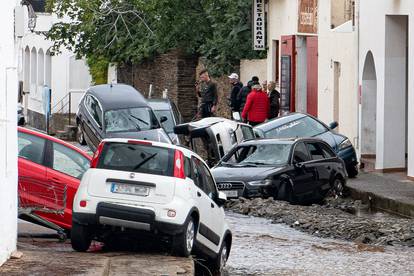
x=257 y=106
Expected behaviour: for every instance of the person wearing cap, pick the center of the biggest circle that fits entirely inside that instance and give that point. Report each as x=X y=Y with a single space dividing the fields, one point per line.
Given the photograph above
x=236 y=86
x=257 y=106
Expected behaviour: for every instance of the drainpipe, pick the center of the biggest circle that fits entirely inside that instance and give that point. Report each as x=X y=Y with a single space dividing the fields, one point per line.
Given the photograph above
x=359 y=98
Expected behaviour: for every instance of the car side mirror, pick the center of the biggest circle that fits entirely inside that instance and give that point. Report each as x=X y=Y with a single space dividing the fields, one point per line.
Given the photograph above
x=299 y=165
x=221 y=199
x=163 y=119
x=333 y=125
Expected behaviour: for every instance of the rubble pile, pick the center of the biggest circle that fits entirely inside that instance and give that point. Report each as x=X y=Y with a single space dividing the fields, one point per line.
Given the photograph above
x=336 y=218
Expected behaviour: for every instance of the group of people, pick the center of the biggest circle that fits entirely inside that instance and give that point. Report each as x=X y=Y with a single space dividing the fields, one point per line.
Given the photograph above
x=253 y=103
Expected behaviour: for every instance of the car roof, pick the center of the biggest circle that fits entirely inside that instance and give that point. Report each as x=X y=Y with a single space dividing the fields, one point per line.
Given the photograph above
x=280 y=121
x=279 y=141
x=116 y=96
x=185 y=150
x=53 y=139
x=159 y=104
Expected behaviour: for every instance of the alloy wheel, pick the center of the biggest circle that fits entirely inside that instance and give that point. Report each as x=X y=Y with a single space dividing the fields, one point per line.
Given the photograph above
x=189 y=237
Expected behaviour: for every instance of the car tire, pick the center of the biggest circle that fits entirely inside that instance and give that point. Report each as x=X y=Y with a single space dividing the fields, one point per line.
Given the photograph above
x=352 y=171
x=219 y=263
x=286 y=192
x=80 y=136
x=337 y=187
x=80 y=237
x=183 y=243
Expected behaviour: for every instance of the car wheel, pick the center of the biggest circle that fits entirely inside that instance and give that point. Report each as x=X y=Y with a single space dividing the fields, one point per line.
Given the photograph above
x=183 y=243
x=337 y=189
x=287 y=192
x=80 y=237
x=80 y=135
x=221 y=260
x=352 y=171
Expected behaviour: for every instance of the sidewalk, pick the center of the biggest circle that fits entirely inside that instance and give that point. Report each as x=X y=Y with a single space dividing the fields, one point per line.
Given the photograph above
x=391 y=192
x=44 y=255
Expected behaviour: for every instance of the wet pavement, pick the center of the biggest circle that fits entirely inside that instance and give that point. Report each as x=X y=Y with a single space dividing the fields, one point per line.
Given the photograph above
x=262 y=248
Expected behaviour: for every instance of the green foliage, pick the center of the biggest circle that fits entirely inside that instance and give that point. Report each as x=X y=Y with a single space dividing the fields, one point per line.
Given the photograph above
x=126 y=31
x=98 y=68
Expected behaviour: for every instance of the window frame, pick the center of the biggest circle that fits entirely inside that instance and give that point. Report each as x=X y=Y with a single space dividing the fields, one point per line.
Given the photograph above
x=294 y=150
x=44 y=155
x=316 y=145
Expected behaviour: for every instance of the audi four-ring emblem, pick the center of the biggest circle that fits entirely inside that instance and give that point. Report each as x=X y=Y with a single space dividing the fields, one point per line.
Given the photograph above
x=225 y=186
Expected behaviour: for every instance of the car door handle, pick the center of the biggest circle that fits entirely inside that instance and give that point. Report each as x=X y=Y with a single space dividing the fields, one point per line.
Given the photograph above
x=198 y=194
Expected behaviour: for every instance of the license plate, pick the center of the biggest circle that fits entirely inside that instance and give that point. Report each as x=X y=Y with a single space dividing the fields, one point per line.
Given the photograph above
x=231 y=193
x=128 y=189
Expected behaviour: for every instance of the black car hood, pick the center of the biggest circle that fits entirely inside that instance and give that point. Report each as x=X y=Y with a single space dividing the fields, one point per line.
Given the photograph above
x=156 y=135
x=223 y=173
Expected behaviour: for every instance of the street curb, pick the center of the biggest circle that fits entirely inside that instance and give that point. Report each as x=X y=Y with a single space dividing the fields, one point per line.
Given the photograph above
x=381 y=203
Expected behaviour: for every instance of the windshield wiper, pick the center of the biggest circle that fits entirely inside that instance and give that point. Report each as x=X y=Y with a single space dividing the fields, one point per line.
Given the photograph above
x=135 y=124
x=144 y=161
x=136 y=118
x=247 y=164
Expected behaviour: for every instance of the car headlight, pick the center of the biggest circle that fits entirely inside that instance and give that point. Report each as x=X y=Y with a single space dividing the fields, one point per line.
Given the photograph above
x=263 y=182
x=345 y=144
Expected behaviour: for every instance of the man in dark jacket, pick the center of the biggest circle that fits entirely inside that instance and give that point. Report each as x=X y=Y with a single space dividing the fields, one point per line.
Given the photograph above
x=274 y=98
x=207 y=91
x=236 y=86
x=244 y=92
x=257 y=106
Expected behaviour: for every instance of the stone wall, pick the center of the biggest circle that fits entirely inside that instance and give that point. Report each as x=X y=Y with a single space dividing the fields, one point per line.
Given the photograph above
x=173 y=71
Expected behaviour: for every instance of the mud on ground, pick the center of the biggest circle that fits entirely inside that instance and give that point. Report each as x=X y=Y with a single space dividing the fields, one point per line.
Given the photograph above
x=336 y=218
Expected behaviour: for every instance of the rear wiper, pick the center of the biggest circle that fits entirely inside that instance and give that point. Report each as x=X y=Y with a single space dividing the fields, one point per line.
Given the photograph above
x=144 y=161
x=136 y=118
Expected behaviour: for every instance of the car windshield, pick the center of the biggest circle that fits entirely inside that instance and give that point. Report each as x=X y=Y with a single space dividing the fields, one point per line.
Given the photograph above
x=263 y=154
x=130 y=119
x=304 y=127
x=137 y=158
x=169 y=124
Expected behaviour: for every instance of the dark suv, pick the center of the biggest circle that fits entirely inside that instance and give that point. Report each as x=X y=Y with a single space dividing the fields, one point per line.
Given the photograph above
x=116 y=111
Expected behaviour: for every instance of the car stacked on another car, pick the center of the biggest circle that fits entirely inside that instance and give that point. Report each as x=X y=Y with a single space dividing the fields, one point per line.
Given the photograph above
x=116 y=111
x=168 y=113
x=296 y=125
x=137 y=186
x=296 y=170
x=47 y=165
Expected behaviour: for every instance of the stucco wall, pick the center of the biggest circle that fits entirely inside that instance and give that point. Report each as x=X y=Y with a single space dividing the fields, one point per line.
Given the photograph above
x=373 y=38
x=339 y=47
x=8 y=134
x=250 y=68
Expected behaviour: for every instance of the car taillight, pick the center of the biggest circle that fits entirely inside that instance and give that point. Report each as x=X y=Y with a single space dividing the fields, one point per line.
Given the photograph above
x=95 y=157
x=137 y=142
x=83 y=203
x=179 y=164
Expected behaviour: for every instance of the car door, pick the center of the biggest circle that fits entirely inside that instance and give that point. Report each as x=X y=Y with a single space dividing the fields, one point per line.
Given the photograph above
x=304 y=175
x=32 y=172
x=205 y=235
x=319 y=163
x=65 y=170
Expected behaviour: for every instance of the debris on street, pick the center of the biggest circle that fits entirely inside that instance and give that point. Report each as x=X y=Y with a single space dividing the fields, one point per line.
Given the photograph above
x=340 y=218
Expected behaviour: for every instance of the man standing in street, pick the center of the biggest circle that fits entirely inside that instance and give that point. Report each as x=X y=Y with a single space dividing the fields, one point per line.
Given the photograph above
x=274 y=98
x=257 y=106
x=234 y=102
x=207 y=91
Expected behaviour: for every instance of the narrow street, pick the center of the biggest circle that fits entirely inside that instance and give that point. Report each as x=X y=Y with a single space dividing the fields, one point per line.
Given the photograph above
x=263 y=248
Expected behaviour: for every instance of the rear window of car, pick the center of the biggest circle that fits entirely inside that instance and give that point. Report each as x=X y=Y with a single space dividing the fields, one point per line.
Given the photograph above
x=304 y=127
x=137 y=158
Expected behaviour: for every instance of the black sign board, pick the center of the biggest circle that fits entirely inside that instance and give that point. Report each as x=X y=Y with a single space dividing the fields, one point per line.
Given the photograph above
x=285 y=84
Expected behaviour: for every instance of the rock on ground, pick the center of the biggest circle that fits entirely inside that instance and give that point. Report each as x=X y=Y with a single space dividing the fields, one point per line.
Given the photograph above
x=337 y=218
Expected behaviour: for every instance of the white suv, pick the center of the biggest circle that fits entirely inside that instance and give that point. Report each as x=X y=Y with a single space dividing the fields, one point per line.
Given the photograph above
x=153 y=187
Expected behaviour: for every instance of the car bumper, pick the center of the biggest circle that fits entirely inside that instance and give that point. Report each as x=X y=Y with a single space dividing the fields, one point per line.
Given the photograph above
x=126 y=217
x=242 y=190
x=349 y=156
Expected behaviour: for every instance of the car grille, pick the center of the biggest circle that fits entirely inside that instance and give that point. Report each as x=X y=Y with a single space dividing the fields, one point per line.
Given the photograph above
x=230 y=186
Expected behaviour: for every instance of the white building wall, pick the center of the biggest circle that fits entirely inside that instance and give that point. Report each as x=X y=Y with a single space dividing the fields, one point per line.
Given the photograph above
x=373 y=38
x=8 y=133
x=59 y=69
x=250 y=68
x=338 y=45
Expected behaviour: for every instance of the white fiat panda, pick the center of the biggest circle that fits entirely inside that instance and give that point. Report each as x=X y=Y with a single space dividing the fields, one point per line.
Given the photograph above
x=152 y=187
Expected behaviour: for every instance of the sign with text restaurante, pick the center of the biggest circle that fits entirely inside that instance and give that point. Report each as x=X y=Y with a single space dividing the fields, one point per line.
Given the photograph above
x=259 y=30
x=308 y=16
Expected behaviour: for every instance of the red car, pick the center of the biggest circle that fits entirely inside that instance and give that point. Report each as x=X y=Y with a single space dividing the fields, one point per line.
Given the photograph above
x=50 y=171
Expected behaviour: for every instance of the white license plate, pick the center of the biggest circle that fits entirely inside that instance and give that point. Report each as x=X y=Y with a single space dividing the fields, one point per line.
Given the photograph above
x=231 y=193
x=128 y=189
